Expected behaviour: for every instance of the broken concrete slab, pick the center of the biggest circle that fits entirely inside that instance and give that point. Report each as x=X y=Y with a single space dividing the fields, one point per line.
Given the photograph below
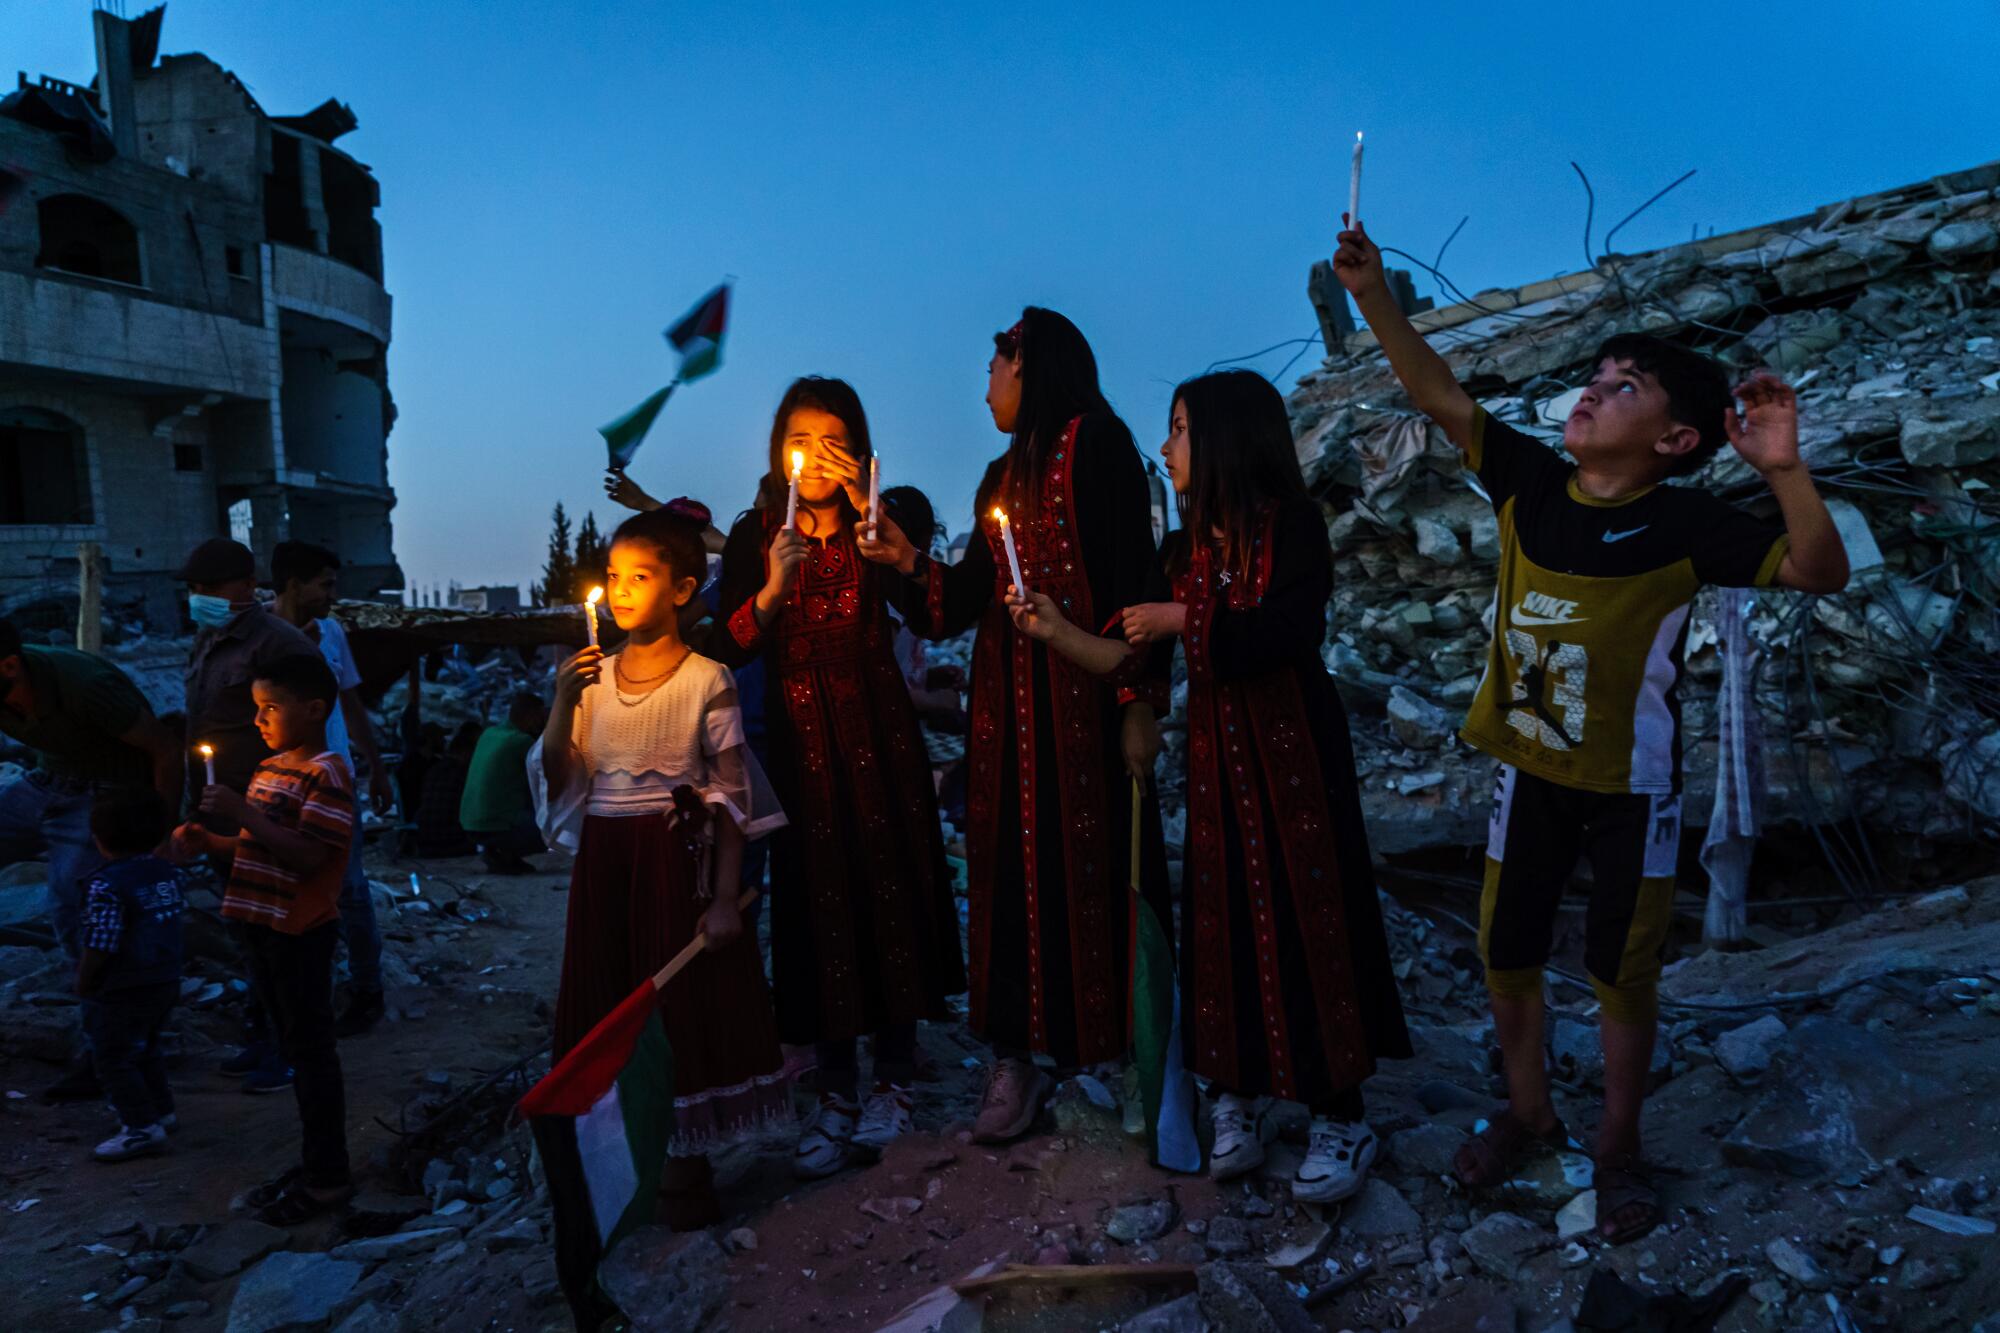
x=227 y=1250
x=1247 y=1298
x=290 y=1290
x=1501 y=1243
x=1837 y=1099
x=1379 y=1209
x=667 y=1282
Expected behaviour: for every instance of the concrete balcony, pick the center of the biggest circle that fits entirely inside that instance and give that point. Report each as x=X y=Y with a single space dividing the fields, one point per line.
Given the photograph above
x=111 y=331
x=312 y=284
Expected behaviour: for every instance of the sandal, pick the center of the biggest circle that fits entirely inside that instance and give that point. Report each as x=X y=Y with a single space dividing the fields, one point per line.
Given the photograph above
x=1623 y=1187
x=298 y=1204
x=259 y=1197
x=1491 y=1156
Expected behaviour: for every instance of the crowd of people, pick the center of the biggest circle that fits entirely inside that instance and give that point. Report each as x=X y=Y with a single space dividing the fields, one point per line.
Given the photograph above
x=758 y=724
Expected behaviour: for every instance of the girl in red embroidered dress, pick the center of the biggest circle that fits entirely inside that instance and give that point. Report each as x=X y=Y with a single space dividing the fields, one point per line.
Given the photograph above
x=1050 y=746
x=864 y=931
x=1284 y=966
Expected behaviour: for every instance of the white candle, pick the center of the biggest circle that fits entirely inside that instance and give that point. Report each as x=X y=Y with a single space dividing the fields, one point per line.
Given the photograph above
x=1354 y=185
x=874 y=494
x=590 y=602
x=207 y=753
x=1013 y=557
x=792 y=504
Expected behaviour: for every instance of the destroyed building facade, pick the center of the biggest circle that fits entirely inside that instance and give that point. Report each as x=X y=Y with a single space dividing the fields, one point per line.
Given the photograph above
x=193 y=331
x=1878 y=709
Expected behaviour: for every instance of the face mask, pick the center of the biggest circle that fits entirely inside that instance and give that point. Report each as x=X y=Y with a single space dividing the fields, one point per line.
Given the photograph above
x=209 y=612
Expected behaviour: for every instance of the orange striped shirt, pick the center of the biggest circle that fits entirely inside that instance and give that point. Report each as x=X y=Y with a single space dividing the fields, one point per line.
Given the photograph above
x=317 y=799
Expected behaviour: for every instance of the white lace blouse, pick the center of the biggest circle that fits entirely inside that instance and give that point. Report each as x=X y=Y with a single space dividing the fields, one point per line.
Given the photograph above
x=629 y=752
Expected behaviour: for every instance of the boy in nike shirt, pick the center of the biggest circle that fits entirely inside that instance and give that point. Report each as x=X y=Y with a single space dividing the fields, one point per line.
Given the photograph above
x=1599 y=565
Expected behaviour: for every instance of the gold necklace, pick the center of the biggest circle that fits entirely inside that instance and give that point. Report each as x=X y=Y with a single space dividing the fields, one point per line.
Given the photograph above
x=618 y=668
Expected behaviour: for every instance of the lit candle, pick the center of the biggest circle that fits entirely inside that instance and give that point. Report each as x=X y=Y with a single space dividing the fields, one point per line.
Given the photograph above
x=590 y=602
x=1354 y=185
x=207 y=753
x=874 y=494
x=1013 y=557
x=792 y=504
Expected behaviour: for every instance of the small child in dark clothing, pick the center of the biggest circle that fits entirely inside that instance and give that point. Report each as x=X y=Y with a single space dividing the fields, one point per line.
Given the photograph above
x=130 y=973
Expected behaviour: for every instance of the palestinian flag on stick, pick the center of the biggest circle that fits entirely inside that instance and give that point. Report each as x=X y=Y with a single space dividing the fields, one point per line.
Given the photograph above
x=1166 y=1089
x=602 y=1119
x=697 y=337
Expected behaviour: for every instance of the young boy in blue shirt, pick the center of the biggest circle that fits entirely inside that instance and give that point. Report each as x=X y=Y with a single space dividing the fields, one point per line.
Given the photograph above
x=129 y=975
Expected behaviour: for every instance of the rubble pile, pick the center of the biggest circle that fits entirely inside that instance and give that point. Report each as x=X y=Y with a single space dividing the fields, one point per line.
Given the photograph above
x=1879 y=703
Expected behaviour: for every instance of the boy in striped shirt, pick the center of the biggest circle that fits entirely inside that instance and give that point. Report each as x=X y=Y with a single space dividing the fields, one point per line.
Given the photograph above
x=297 y=822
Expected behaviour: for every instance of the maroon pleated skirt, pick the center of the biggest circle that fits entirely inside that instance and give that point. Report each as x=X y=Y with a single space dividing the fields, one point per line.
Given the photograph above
x=632 y=907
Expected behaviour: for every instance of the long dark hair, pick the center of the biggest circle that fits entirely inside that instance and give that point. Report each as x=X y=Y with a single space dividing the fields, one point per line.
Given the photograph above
x=1240 y=459
x=1058 y=383
x=823 y=394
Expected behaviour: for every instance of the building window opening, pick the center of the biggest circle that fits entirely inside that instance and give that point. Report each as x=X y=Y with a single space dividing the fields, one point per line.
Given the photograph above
x=44 y=473
x=187 y=458
x=84 y=236
x=232 y=259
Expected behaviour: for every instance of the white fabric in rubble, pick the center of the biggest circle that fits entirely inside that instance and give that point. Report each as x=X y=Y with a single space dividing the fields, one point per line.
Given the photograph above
x=1739 y=775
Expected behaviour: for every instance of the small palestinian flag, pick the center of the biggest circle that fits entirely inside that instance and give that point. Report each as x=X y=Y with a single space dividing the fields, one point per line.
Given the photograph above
x=697 y=337
x=1165 y=1087
x=602 y=1119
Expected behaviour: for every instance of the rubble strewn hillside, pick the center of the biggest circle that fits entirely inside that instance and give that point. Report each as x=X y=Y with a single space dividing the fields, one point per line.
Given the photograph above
x=1881 y=704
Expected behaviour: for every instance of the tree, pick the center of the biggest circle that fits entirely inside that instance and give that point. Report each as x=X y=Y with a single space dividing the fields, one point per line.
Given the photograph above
x=591 y=553
x=559 y=574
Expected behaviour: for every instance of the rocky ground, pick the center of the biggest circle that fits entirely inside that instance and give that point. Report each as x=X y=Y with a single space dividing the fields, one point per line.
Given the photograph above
x=1824 y=1120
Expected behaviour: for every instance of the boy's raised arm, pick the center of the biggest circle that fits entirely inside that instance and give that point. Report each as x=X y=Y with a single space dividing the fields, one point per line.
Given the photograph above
x=1426 y=377
x=1766 y=435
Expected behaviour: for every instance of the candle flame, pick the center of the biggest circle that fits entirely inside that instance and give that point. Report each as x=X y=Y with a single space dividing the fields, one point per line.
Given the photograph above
x=798 y=462
x=999 y=514
x=1357 y=136
x=594 y=596
x=205 y=751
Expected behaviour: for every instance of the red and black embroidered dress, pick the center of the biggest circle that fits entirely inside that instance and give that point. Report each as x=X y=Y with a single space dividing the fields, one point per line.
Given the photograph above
x=864 y=931
x=1286 y=980
x=1048 y=805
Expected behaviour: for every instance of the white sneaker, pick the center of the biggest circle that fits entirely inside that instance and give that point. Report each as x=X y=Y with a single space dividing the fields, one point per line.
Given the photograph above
x=128 y=1143
x=885 y=1117
x=1336 y=1162
x=823 y=1146
x=1239 y=1138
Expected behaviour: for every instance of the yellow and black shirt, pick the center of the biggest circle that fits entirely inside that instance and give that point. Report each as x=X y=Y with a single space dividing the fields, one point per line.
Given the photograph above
x=1590 y=622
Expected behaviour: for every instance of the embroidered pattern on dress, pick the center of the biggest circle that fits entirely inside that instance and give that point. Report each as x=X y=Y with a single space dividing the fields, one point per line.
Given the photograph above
x=1248 y=742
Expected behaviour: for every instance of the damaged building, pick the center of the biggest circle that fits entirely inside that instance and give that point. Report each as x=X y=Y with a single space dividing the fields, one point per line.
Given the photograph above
x=193 y=331
x=1867 y=723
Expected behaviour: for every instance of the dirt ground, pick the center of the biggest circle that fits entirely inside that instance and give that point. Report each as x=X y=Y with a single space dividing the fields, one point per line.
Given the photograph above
x=851 y=1252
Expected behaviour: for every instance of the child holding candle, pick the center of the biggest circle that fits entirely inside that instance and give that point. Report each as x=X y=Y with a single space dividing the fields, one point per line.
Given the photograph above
x=864 y=932
x=1049 y=818
x=282 y=901
x=643 y=773
x=1285 y=969
x=1599 y=566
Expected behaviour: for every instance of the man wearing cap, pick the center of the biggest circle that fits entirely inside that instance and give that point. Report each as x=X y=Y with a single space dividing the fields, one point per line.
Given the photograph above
x=90 y=730
x=234 y=637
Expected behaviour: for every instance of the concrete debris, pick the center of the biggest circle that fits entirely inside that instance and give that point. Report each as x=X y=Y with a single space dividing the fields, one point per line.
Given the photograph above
x=667 y=1283
x=1885 y=313
x=1790 y=1259
x=291 y=1290
x=1746 y=1051
x=1502 y=1243
x=231 y=1248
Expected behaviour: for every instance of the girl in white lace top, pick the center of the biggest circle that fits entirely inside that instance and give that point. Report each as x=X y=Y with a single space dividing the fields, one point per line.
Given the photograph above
x=644 y=774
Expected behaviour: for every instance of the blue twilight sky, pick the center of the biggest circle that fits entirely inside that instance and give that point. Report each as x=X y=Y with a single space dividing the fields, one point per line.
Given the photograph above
x=891 y=183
